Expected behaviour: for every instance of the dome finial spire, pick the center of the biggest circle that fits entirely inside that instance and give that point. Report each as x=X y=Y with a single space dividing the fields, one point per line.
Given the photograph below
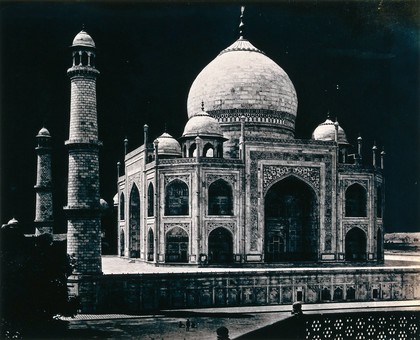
x=202 y=105
x=241 y=24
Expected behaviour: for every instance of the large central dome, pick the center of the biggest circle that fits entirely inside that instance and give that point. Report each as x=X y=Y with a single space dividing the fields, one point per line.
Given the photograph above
x=243 y=81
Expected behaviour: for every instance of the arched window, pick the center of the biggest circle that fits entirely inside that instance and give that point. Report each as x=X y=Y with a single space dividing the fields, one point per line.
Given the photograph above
x=92 y=60
x=356 y=245
x=351 y=293
x=220 y=246
x=150 y=246
x=338 y=294
x=150 y=200
x=77 y=59
x=208 y=150
x=134 y=223
x=192 y=152
x=379 y=202
x=184 y=151
x=84 y=59
x=326 y=294
x=176 y=198
x=122 y=207
x=356 y=201
x=177 y=245
x=220 y=198
x=122 y=242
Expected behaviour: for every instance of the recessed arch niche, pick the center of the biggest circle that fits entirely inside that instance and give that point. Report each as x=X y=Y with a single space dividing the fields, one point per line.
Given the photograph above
x=291 y=221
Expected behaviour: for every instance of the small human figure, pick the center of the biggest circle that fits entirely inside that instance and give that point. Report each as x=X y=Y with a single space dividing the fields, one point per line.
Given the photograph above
x=180 y=324
x=187 y=325
x=297 y=308
x=222 y=333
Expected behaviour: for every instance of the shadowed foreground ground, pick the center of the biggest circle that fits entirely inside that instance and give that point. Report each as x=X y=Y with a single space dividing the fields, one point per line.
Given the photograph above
x=239 y=320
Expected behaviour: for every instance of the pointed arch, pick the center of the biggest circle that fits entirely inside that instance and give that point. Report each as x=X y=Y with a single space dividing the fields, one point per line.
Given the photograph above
x=338 y=294
x=291 y=221
x=176 y=241
x=208 y=150
x=176 y=198
x=356 y=246
x=351 y=293
x=122 y=207
x=150 y=245
x=77 y=58
x=220 y=198
x=220 y=245
x=356 y=201
x=326 y=294
x=150 y=200
x=84 y=59
x=134 y=222
x=192 y=150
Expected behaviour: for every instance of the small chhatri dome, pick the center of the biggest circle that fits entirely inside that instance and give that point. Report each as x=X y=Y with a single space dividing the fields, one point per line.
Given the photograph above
x=103 y=204
x=168 y=145
x=83 y=39
x=326 y=132
x=13 y=221
x=203 y=125
x=43 y=133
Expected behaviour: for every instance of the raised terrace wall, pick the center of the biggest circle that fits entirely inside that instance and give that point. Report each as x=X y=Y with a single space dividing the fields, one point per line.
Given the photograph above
x=138 y=293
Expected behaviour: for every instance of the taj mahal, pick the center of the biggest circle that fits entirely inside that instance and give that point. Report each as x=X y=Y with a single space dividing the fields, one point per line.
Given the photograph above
x=238 y=187
x=237 y=190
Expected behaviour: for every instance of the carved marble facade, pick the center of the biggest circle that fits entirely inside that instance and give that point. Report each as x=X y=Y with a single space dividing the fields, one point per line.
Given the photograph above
x=240 y=234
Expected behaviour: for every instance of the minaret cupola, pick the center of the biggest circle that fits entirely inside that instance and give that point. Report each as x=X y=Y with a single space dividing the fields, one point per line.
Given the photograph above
x=83 y=50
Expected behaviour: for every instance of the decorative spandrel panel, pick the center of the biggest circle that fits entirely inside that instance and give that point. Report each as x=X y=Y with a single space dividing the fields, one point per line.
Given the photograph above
x=348 y=182
x=133 y=179
x=184 y=226
x=349 y=226
x=210 y=178
x=185 y=178
x=272 y=172
x=210 y=226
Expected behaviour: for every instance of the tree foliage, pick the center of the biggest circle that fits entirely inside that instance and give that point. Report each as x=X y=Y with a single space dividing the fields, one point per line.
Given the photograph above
x=34 y=272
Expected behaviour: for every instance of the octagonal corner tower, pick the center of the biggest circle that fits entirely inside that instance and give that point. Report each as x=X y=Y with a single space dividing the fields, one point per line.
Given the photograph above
x=243 y=81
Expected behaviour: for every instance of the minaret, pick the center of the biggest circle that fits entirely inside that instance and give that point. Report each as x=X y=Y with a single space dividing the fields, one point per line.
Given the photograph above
x=83 y=206
x=44 y=203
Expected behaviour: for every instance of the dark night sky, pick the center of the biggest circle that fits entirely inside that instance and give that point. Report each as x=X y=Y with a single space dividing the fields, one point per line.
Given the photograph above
x=149 y=55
